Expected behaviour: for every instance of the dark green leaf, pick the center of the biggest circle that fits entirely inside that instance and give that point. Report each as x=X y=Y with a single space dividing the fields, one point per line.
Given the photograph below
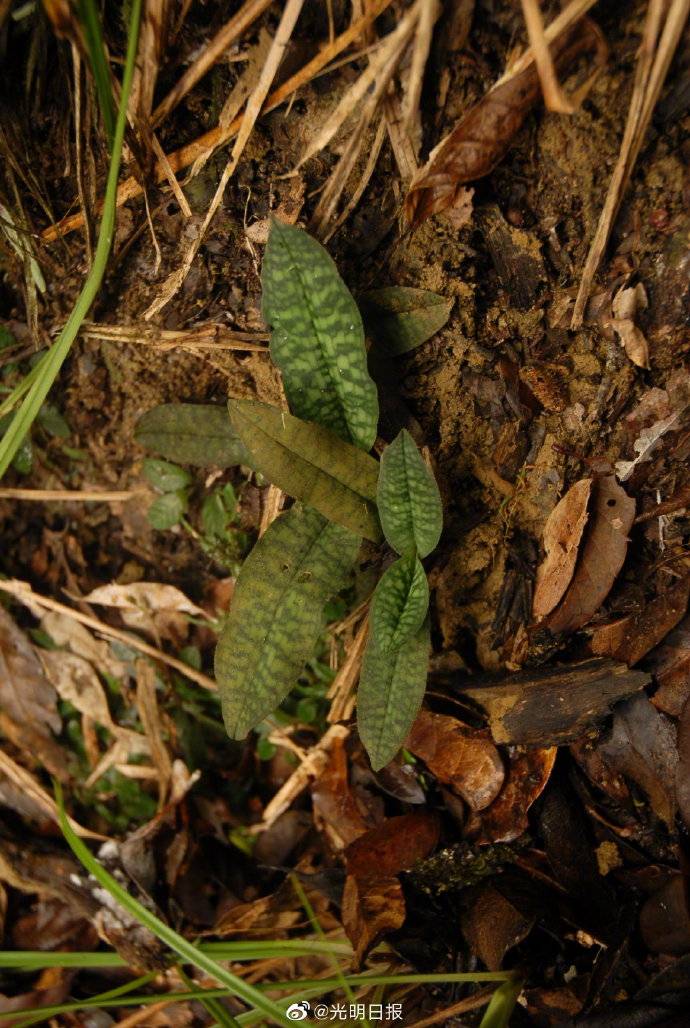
x=191 y=433
x=391 y=688
x=165 y=476
x=166 y=510
x=317 y=337
x=277 y=613
x=400 y=603
x=408 y=498
x=399 y=318
x=311 y=463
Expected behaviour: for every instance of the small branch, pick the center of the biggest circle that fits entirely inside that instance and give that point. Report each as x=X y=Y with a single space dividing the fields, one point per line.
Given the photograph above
x=69 y=495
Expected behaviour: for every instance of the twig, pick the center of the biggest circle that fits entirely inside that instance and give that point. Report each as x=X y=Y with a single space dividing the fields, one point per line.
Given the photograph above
x=479 y=999
x=341 y=692
x=652 y=66
x=312 y=766
x=252 y=111
x=420 y=54
x=23 y=592
x=572 y=13
x=220 y=135
x=69 y=495
x=554 y=97
x=213 y=335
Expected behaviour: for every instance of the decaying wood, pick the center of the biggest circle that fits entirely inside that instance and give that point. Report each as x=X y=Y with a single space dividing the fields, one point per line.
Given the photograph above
x=556 y=705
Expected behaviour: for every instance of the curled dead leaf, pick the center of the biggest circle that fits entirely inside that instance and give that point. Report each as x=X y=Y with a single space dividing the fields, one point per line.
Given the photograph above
x=601 y=557
x=481 y=138
x=26 y=695
x=373 y=901
x=506 y=818
x=562 y=536
x=461 y=757
x=630 y=638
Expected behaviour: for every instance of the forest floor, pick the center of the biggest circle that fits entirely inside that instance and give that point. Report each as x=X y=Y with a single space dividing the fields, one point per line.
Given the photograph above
x=538 y=820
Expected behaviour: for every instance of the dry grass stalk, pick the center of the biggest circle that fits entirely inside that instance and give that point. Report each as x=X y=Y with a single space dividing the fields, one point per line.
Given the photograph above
x=378 y=74
x=474 y=1002
x=23 y=592
x=149 y=715
x=70 y=495
x=657 y=48
x=211 y=53
x=342 y=690
x=554 y=97
x=254 y=105
x=568 y=16
x=420 y=54
x=212 y=336
x=365 y=177
x=218 y=136
x=313 y=765
x=28 y=785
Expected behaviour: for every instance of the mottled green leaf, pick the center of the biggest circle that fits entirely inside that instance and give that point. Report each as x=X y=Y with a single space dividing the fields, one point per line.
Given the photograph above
x=165 y=476
x=408 y=498
x=391 y=688
x=311 y=463
x=399 y=318
x=317 y=336
x=166 y=510
x=277 y=613
x=400 y=603
x=191 y=433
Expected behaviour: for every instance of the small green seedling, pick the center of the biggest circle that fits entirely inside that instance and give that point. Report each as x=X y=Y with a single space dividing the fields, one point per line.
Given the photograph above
x=318 y=453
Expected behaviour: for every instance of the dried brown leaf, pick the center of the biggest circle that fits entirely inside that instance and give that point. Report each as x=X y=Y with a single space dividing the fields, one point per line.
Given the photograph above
x=483 y=135
x=630 y=638
x=670 y=665
x=25 y=693
x=664 y=919
x=373 y=901
x=506 y=818
x=562 y=537
x=642 y=747
x=335 y=807
x=492 y=926
x=371 y=907
x=601 y=557
x=76 y=681
x=461 y=757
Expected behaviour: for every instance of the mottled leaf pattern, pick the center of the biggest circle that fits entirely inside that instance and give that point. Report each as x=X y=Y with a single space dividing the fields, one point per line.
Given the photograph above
x=277 y=613
x=311 y=463
x=391 y=688
x=317 y=337
x=191 y=433
x=399 y=318
x=408 y=498
x=400 y=603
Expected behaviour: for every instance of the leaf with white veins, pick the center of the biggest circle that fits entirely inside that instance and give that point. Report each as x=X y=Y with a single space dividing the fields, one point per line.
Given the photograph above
x=277 y=613
x=400 y=603
x=408 y=498
x=312 y=464
x=391 y=689
x=317 y=336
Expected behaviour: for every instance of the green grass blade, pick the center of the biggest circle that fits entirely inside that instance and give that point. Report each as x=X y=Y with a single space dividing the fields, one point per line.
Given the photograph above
x=184 y=949
x=93 y=36
x=501 y=1005
x=52 y=362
